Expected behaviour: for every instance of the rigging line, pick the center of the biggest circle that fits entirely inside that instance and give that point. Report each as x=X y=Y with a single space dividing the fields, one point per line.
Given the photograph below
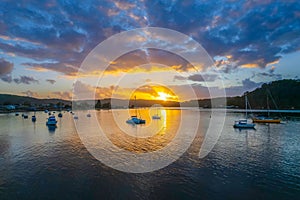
x=273 y=100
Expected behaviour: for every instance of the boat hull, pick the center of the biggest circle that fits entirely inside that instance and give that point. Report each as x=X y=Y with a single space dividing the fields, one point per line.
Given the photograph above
x=51 y=123
x=245 y=126
x=275 y=121
x=155 y=117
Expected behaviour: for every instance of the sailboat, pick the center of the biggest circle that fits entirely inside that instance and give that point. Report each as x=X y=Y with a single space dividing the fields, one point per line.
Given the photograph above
x=266 y=119
x=243 y=123
x=51 y=121
x=156 y=116
x=134 y=119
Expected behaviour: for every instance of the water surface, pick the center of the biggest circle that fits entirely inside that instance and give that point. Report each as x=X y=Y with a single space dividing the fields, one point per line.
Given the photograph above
x=41 y=163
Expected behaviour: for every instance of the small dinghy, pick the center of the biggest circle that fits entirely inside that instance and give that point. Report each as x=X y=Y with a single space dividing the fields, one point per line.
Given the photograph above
x=33 y=118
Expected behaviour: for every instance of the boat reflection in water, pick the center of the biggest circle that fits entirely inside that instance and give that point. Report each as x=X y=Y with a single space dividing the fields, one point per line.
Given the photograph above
x=52 y=129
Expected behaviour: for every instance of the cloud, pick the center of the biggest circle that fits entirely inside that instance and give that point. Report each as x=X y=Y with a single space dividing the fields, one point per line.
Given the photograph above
x=198 y=77
x=25 y=80
x=247 y=85
x=253 y=33
x=51 y=81
x=6 y=68
x=66 y=95
x=30 y=93
x=203 y=77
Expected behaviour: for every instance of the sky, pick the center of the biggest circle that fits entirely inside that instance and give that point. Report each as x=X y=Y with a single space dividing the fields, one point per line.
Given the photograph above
x=44 y=43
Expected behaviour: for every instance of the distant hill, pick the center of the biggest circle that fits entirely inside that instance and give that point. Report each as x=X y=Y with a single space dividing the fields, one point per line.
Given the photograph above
x=282 y=94
x=7 y=99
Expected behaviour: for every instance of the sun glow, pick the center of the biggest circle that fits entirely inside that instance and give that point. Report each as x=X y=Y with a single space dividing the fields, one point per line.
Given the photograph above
x=163 y=96
x=154 y=92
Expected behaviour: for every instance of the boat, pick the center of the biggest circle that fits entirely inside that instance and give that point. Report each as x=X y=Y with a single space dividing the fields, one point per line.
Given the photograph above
x=266 y=119
x=33 y=118
x=51 y=121
x=60 y=114
x=156 y=116
x=134 y=119
x=243 y=123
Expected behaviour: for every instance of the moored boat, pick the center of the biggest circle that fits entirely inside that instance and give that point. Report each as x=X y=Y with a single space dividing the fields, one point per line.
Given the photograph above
x=135 y=120
x=267 y=119
x=33 y=118
x=51 y=121
x=263 y=119
x=156 y=116
x=243 y=123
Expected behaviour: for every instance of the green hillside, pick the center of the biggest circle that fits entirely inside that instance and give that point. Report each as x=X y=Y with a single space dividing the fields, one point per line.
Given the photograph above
x=282 y=94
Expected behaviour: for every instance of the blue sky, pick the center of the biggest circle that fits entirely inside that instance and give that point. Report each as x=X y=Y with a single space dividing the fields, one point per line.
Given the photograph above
x=43 y=43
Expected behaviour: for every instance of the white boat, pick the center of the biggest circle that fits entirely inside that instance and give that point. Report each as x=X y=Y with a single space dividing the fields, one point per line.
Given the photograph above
x=51 y=121
x=243 y=123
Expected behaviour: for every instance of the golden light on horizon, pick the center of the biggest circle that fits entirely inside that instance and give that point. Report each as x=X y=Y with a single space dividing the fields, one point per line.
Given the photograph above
x=163 y=96
x=154 y=92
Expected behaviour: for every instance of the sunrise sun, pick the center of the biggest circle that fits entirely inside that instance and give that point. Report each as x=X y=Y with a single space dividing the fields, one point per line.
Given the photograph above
x=163 y=96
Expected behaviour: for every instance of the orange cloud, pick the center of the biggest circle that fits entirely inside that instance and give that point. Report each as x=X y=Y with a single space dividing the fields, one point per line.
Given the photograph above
x=250 y=65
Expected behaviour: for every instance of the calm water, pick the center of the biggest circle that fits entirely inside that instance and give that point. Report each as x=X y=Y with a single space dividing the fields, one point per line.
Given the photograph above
x=38 y=163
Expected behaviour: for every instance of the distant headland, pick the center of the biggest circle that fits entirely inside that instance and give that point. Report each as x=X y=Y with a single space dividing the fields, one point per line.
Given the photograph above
x=281 y=94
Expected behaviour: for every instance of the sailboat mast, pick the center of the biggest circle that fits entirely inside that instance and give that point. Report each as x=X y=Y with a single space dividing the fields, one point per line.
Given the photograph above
x=135 y=105
x=246 y=104
x=268 y=107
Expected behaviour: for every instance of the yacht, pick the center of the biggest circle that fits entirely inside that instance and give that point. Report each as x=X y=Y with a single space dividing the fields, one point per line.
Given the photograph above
x=243 y=123
x=51 y=121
